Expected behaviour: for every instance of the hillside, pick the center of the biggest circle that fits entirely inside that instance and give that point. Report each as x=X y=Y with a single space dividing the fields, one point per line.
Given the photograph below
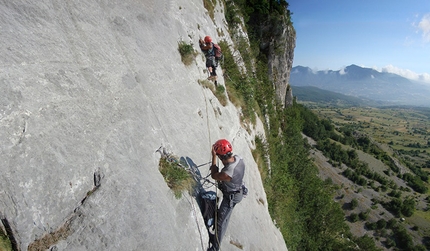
x=377 y=157
x=313 y=94
x=90 y=90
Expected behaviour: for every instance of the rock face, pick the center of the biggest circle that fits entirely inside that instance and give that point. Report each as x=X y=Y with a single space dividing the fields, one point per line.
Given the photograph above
x=89 y=91
x=289 y=97
x=280 y=56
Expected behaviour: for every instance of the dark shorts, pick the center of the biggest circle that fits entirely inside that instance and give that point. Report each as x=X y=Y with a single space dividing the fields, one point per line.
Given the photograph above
x=211 y=63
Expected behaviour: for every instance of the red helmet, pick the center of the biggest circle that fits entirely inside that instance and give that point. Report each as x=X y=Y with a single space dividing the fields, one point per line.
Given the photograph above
x=222 y=147
x=208 y=39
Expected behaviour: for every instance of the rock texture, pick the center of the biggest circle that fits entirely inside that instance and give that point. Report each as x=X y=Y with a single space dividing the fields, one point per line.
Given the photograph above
x=89 y=90
x=280 y=49
x=289 y=96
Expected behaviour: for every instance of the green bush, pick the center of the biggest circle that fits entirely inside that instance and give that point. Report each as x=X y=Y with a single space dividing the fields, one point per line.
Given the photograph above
x=381 y=224
x=354 y=204
x=5 y=244
x=391 y=223
x=408 y=207
x=365 y=243
x=403 y=239
x=220 y=94
x=353 y=217
x=390 y=243
x=210 y=7
x=218 y=91
x=364 y=215
x=241 y=88
x=188 y=54
x=371 y=225
x=176 y=177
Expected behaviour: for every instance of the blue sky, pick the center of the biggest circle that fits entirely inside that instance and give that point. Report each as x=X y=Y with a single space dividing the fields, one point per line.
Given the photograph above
x=391 y=36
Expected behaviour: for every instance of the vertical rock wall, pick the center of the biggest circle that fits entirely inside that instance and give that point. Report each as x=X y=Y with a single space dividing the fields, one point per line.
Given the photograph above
x=89 y=90
x=280 y=57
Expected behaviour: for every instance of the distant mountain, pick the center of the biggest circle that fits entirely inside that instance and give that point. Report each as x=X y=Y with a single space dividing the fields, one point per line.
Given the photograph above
x=365 y=83
x=317 y=95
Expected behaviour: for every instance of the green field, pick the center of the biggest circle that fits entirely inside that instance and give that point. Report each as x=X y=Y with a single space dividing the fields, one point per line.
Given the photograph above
x=403 y=130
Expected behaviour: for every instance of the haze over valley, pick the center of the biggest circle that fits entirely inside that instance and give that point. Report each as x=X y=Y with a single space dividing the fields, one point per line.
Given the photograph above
x=367 y=83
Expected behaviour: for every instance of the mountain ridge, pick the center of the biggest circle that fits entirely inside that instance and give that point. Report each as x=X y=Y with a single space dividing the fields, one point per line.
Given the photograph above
x=317 y=95
x=363 y=82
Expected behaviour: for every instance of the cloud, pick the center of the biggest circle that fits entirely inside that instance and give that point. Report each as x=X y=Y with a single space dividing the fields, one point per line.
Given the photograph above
x=342 y=71
x=424 y=26
x=425 y=77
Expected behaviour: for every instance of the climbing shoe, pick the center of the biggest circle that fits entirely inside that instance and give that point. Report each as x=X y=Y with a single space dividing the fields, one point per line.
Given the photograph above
x=212 y=249
x=213 y=243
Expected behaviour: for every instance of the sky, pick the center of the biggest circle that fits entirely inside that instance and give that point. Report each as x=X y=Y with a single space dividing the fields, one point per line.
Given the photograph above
x=386 y=35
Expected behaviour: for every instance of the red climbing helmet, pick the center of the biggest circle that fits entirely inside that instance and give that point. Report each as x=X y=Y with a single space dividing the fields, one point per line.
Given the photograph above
x=223 y=147
x=208 y=39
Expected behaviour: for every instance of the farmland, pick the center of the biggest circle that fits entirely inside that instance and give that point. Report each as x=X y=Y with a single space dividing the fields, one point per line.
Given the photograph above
x=402 y=133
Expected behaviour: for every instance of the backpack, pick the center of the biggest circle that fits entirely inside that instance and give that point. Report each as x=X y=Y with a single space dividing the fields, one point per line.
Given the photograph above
x=217 y=51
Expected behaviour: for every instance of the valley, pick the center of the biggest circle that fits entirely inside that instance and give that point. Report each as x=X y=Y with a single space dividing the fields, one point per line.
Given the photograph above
x=369 y=199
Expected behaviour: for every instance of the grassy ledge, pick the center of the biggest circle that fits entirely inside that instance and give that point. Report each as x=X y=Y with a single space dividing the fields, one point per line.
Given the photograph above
x=188 y=54
x=177 y=178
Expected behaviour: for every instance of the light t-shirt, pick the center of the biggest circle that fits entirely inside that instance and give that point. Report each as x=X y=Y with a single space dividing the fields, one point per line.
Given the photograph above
x=236 y=171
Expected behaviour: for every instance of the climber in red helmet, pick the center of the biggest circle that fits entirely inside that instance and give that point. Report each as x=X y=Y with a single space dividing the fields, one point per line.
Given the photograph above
x=207 y=47
x=230 y=182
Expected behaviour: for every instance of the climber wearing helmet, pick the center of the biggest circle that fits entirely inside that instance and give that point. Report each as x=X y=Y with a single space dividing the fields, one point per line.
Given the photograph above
x=207 y=47
x=230 y=180
x=208 y=39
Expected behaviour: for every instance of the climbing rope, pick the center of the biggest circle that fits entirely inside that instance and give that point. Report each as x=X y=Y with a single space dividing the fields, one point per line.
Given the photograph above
x=197 y=223
x=216 y=187
x=216 y=214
